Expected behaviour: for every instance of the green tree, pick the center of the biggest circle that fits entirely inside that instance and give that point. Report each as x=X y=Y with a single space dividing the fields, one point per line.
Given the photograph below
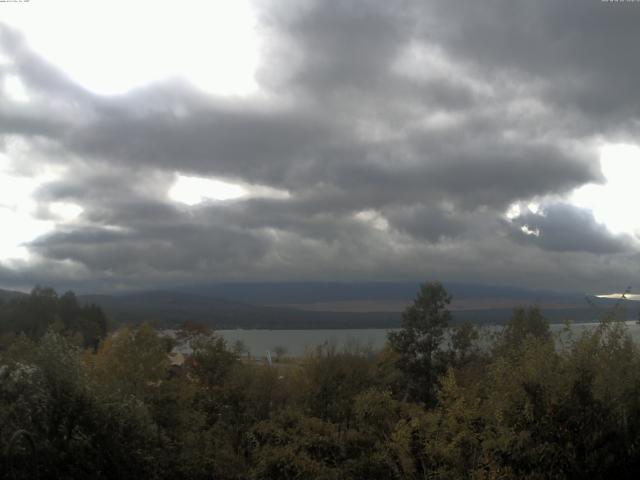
x=332 y=380
x=133 y=361
x=524 y=323
x=78 y=432
x=463 y=340
x=418 y=341
x=213 y=418
x=280 y=351
x=43 y=309
x=240 y=348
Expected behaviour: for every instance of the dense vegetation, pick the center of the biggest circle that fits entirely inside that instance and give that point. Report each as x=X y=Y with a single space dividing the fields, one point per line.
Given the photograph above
x=43 y=310
x=433 y=404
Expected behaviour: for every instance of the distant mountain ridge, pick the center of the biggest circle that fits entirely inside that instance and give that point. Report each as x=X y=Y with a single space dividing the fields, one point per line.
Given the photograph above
x=170 y=308
x=9 y=294
x=332 y=305
x=314 y=292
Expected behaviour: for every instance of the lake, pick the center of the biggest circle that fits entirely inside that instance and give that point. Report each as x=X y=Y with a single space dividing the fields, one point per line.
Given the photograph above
x=297 y=342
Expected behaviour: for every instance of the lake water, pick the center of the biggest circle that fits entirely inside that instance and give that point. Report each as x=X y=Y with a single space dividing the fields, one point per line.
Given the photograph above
x=297 y=342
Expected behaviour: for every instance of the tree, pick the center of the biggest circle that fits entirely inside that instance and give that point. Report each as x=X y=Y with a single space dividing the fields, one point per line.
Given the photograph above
x=78 y=433
x=333 y=380
x=133 y=361
x=210 y=362
x=524 y=323
x=240 y=348
x=43 y=309
x=462 y=342
x=417 y=343
x=280 y=352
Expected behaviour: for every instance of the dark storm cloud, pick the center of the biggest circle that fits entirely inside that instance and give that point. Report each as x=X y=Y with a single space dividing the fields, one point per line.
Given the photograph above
x=184 y=246
x=581 y=52
x=563 y=228
x=433 y=223
x=348 y=45
x=402 y=132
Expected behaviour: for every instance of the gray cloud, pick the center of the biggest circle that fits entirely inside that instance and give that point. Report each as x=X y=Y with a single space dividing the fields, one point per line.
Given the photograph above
x=578 y=52
x=402 y=131
x=563 y=228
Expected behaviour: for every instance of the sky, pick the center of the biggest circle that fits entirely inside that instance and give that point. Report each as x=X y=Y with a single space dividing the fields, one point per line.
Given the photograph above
x=153 y=144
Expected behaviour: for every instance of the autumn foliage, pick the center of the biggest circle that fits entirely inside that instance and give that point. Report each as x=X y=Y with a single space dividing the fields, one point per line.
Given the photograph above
x=440 y=401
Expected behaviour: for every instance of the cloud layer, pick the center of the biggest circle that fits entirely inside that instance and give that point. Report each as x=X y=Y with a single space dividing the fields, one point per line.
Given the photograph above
x=402 y=131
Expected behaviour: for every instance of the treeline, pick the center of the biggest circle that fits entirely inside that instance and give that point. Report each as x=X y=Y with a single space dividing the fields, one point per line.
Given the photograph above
x=433 y=404
x=43 y=310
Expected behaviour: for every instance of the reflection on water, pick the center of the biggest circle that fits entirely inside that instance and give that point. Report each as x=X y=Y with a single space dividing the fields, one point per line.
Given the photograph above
x=297 y=342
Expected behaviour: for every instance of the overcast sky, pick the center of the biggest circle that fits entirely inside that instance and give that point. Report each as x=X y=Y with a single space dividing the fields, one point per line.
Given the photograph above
x=150 y=144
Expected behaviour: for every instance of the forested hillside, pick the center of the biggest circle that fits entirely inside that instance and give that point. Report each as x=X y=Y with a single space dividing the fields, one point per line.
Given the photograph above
x=422 y=408
x=44 y=310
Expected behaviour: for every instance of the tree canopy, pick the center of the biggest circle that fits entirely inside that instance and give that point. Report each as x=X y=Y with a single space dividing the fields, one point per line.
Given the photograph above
x=435 y=403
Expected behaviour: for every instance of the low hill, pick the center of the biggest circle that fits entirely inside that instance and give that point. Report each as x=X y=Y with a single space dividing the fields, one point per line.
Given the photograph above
x=170 y=308
x=9 y=294
x=282 y=293
x=270 y=306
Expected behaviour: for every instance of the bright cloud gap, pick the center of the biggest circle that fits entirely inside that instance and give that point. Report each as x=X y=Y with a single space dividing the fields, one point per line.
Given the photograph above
x=615 y=202
x=202 y=31
x=65 y=211
x=192 y=191
x=628 y=296
x=612 y=203
x=15 y=90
